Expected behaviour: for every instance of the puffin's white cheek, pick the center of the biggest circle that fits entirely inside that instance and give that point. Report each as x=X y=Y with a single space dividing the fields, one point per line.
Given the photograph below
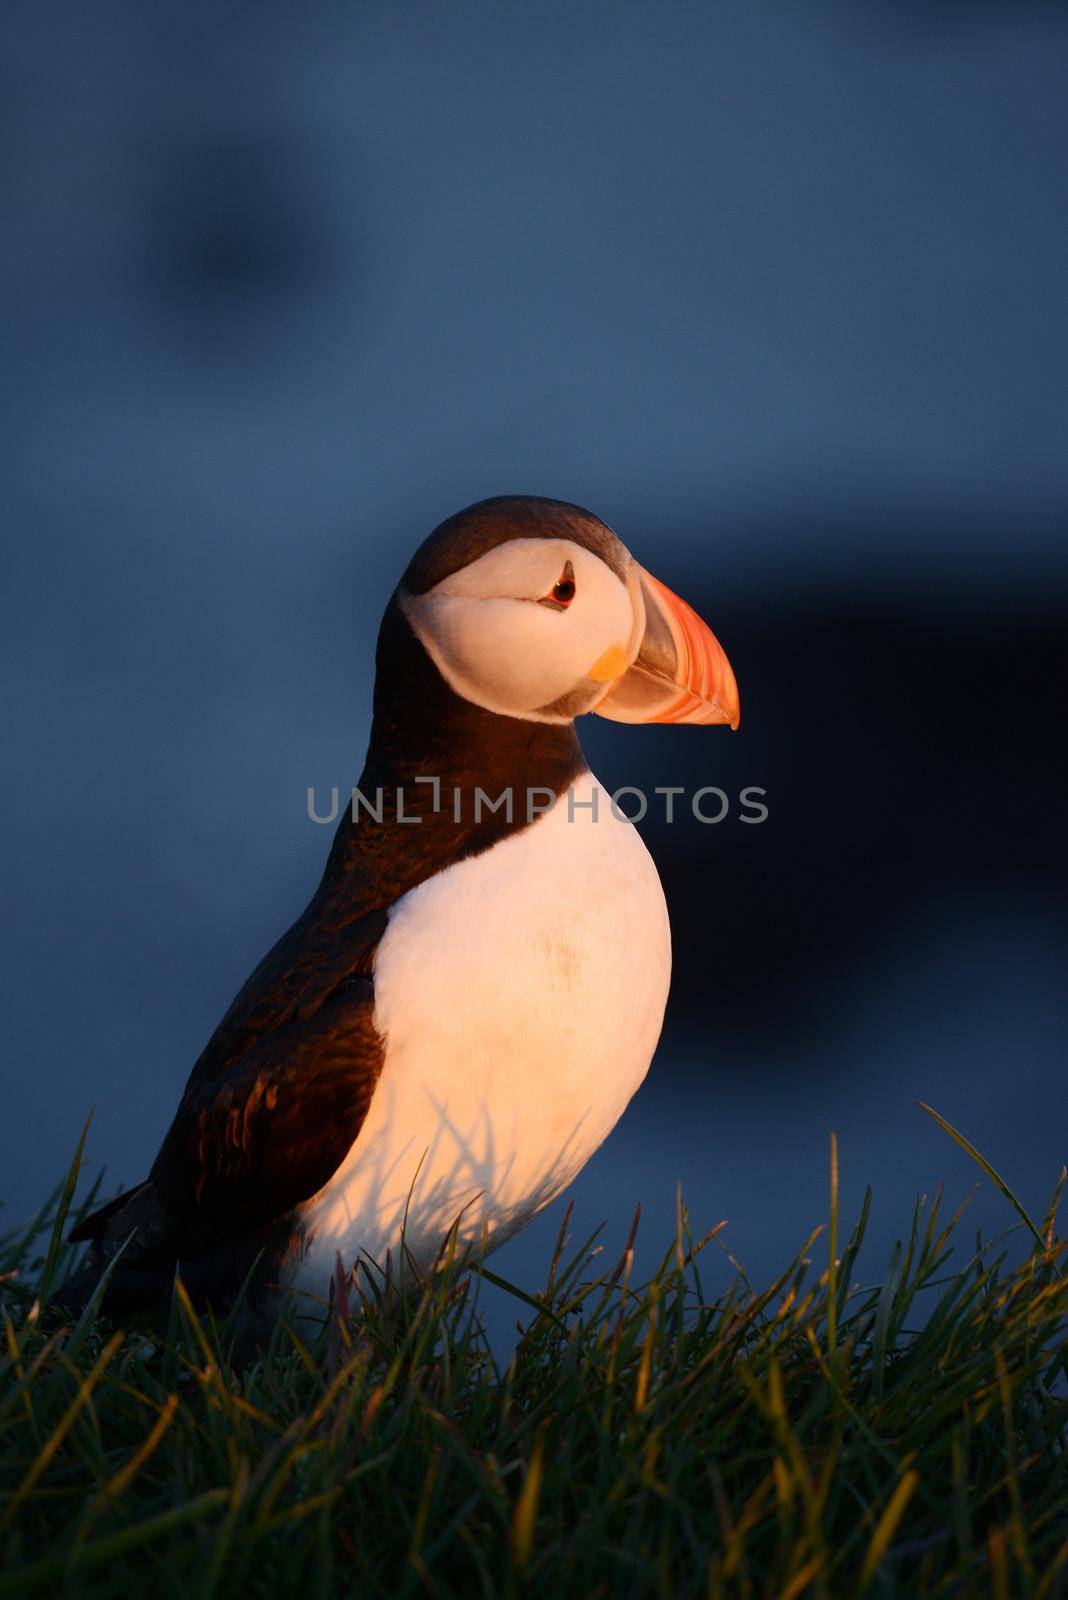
x=512 y=655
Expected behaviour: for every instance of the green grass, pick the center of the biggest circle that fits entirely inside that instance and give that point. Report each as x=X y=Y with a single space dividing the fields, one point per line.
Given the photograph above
x=814 y=1438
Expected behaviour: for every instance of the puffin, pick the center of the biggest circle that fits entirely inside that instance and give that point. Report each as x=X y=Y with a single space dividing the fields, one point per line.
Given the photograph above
x=475 y=990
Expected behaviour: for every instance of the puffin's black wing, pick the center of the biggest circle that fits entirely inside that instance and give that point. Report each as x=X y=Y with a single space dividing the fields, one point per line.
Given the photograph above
x=270 y=1131
x=270 y=1111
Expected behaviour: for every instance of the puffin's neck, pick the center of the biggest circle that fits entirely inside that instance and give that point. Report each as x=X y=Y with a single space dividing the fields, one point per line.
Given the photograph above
x=422 y=729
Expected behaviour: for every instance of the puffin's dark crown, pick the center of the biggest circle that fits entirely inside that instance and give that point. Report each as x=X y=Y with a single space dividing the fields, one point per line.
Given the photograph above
x=462 y=538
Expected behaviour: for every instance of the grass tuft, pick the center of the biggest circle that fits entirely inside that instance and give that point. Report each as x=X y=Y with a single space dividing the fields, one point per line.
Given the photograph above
x=815 y=1438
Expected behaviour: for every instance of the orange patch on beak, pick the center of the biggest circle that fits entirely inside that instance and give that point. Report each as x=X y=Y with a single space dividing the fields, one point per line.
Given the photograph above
x=608 y=666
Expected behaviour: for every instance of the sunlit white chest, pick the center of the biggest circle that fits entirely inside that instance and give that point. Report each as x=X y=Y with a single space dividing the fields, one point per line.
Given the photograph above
x=520 y=995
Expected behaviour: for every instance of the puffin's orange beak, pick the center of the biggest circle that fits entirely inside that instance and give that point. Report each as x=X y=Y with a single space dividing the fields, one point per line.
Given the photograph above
x=680 y=672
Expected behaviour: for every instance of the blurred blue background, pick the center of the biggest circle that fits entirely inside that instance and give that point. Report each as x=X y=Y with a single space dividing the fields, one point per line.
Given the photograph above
x=780 y=291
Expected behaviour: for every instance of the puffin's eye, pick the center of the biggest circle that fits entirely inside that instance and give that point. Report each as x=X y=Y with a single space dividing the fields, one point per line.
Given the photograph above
x=562 y=592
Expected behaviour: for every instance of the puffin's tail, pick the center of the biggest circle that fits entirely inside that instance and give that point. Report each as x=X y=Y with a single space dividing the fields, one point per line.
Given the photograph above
x=129 y=1290
x=133 y=1286
x=151 y=1244
x=93 y=1226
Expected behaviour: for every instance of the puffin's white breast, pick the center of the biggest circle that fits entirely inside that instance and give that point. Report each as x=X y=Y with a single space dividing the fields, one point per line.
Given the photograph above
x=520 y=995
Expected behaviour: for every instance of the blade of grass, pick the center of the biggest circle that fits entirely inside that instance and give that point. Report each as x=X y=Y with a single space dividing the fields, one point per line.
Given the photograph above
x=520 y=1294
x=886 y=1528
x=80 y=1331
x=525 y=1517
x=55 y=1243
x=992 y=1174
x=832 y=1254
x=118 y=1481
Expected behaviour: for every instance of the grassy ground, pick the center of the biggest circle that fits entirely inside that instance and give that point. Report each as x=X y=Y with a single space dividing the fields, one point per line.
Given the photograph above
x=815 y=1438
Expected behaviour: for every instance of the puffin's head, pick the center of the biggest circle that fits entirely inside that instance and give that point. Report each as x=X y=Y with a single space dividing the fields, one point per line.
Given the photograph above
x=534 y=609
